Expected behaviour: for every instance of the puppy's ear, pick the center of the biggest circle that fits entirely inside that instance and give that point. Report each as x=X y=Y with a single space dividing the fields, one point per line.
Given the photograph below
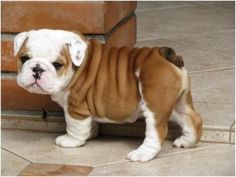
x=19 y=41
x=77 y=48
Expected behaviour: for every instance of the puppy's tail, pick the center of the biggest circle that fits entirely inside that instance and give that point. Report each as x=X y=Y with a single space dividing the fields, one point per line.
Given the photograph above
x=171 y=56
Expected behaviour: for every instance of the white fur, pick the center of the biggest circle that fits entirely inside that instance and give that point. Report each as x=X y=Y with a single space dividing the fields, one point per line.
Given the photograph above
x=151 y=145
x=77 y=49
x=49 y=82
x=181 y=116
x=78 y=131
x=188 y=138
x=103 y=120
x=44 y=46
x=137 y=73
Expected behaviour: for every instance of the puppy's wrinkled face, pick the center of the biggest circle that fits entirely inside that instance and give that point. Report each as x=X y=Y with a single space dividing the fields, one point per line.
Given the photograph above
x=46 y=59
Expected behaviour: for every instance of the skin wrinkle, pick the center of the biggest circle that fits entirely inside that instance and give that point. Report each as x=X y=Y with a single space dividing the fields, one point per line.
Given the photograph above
x=117 y=88
x=132 y=56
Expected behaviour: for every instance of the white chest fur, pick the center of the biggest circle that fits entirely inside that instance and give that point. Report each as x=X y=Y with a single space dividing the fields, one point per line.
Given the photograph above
x=61 y=99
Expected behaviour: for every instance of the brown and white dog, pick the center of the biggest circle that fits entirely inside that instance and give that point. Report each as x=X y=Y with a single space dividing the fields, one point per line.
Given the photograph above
x=95 y=83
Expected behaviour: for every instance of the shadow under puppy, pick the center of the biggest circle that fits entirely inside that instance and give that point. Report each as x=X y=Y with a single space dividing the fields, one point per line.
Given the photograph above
x=93 y=82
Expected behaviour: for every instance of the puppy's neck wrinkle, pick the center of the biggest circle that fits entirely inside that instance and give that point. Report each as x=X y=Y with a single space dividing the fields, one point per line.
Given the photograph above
x=84 y=77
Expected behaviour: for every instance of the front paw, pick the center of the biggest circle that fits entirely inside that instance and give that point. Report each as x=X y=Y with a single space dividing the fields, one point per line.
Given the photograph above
x=68 y=141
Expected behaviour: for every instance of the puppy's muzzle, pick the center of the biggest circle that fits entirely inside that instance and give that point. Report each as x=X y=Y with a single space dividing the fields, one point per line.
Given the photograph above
x=37 y=71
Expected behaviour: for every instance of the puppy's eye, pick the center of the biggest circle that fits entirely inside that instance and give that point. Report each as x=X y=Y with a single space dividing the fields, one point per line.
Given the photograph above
x=57 y=65
x=24 y=58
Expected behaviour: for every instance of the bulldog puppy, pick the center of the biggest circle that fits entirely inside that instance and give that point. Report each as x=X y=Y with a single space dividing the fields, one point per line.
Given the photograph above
x=93 y=82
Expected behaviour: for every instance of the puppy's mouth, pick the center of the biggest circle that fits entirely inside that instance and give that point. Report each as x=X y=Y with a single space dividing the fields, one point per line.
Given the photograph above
x=35 y=86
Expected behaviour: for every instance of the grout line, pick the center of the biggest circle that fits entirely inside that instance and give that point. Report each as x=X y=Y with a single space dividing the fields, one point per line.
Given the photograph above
x=210 y=70
x=214 y=32
x=209 y=102
x=182 y=42
x=230 y=131
x=163 y=8
x=62 y=163
x=229 y=137
x=204 y=34
x=164 y=155
x=20 y=156
x=154 y=38
x=191 y=150
x=231 y=126
x=199 y=35
x=110 y=163
x=218 y=142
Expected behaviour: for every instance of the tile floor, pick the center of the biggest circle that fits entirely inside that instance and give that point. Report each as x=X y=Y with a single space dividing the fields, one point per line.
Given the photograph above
x=203 y=33
x=24 y=150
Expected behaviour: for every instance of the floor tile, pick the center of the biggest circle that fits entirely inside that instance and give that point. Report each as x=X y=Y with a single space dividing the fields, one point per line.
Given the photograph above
x=216 y=87
x=103 y=150
x=195 y=59
x=222 y=42
x=144 y=36
x=220 y=4
x=11 y=165
x=217 y=160
x=216 y=115
x=178 y=22
x=213 y=94
x=45 y=169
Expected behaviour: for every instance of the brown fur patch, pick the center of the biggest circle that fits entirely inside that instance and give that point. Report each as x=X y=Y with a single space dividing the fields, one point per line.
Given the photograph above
x=65 y=59
x=22 y=51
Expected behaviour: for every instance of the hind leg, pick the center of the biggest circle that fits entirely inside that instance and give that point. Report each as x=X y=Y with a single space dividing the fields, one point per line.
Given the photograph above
x=158 y=103
x=189 y=120
x=153 y=140
x=154 y=137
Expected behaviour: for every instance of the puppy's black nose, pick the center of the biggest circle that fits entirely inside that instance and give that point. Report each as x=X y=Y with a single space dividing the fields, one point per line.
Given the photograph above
x=37 y=71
